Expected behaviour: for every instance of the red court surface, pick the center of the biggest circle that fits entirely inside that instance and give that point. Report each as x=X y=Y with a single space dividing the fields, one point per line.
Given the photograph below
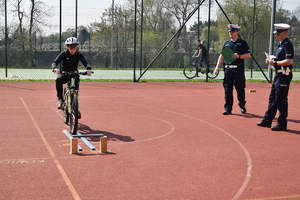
x=166 y=141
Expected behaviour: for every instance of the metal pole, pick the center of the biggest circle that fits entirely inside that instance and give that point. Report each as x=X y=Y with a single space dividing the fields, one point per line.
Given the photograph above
x=190 y=15
x=208 y=38
x=112 y=34
x=60 y=24
x=252 y=46
x=198 y=20
x=271 y=47
x=76 y=17
x=241 y=38
x=6 y=40
x=60 y=29
x=141 y=45
x=134 y=51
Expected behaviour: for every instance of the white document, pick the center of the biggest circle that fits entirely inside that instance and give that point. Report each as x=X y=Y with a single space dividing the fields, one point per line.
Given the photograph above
x=270 y=57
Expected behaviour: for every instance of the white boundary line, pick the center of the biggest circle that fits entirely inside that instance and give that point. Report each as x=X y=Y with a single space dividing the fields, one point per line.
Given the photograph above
x=247 y=154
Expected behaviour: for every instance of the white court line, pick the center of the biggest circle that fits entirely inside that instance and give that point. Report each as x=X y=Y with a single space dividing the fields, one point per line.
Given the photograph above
x=149 y=139
x=247 y=154
x=248 y=157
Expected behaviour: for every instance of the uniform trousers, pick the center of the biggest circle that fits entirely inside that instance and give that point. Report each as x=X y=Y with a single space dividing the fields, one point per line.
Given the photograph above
x=234 y=77
x=278 y=99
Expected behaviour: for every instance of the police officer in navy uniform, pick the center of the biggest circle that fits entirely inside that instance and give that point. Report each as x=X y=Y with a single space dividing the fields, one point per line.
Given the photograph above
x=234 y=73
x=278 y=99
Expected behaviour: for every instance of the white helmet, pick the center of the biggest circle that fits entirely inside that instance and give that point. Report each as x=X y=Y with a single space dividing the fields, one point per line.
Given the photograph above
x=72 y=41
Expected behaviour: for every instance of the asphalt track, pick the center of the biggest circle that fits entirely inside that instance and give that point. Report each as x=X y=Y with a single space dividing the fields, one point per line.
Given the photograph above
x=166 y=141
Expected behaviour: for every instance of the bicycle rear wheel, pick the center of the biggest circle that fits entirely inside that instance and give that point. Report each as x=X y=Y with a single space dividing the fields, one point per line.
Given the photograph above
x=190 y=71
x=210 y=72
x=74 y=114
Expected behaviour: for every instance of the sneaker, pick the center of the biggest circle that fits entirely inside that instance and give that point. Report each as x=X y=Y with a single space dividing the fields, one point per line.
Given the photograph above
x=79 y=114
x=243 y=110
x=59 y=104
x=263 y=123
x=226 y=112
x=278 y=127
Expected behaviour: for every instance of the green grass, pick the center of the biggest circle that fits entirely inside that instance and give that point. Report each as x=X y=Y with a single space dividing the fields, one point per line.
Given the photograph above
x=142 y=80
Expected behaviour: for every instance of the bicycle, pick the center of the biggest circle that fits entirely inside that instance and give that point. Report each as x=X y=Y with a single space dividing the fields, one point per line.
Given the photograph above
x=70 y=99
x=192 y=70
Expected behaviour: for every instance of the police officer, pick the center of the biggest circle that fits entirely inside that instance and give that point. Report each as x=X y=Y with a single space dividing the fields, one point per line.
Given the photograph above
x=234 y=73
x=278 y=99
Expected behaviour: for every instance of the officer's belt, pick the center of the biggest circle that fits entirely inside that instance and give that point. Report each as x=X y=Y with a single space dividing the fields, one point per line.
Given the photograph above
x=279 y=70
x=231 y=66
x=283 y=71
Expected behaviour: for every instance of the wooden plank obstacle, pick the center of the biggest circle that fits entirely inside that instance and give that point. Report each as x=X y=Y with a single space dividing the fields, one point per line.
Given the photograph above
x=75 y=147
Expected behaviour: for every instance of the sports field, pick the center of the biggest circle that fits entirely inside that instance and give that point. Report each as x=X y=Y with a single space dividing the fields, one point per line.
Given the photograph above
x=166 y=141
x=121 y=74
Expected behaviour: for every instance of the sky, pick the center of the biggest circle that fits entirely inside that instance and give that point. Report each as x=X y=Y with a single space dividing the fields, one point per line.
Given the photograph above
x=90 y=11
x=290 y=5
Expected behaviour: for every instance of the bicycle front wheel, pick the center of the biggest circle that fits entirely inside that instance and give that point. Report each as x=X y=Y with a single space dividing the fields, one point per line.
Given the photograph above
x=210 y=72
x=74 y=114
x=66 y=114
x=65 y=108
x=190 y=71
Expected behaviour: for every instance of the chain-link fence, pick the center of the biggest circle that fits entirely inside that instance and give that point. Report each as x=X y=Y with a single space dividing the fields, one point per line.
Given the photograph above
x=127 y=39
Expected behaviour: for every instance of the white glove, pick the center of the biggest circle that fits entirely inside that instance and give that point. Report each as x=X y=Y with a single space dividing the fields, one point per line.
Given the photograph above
x=216 y=71
x=56 y=71
x=89 y=72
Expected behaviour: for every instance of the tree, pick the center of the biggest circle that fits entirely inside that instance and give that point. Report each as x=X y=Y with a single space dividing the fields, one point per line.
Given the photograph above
x=202 y=25
x=83 y=35
x=123 y=33
x=155 y=17
x=180 y=9
x=20 y=31
x=213 y=35
x=38 y=12
x=158 y=27
x=240 y=12
x=25 y=34
x=2 y=33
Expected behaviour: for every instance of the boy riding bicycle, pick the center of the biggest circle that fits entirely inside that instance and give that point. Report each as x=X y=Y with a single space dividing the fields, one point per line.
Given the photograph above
x=69 y=59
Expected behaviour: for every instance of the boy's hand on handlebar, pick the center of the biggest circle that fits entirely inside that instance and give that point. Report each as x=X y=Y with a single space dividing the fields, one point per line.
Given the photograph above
x=56 y=71
x=89 y=72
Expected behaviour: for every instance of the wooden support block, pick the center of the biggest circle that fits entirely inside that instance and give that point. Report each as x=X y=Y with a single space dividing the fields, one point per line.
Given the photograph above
x=103 y=144
x=74 y=145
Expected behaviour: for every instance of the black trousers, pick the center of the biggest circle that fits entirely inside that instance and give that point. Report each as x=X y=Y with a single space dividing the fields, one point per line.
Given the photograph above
x=234 y=77
x=278 y=99
x=60 y=80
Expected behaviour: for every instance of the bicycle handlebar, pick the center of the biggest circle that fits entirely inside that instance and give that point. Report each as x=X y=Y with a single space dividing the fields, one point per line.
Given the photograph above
x=74 y=73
